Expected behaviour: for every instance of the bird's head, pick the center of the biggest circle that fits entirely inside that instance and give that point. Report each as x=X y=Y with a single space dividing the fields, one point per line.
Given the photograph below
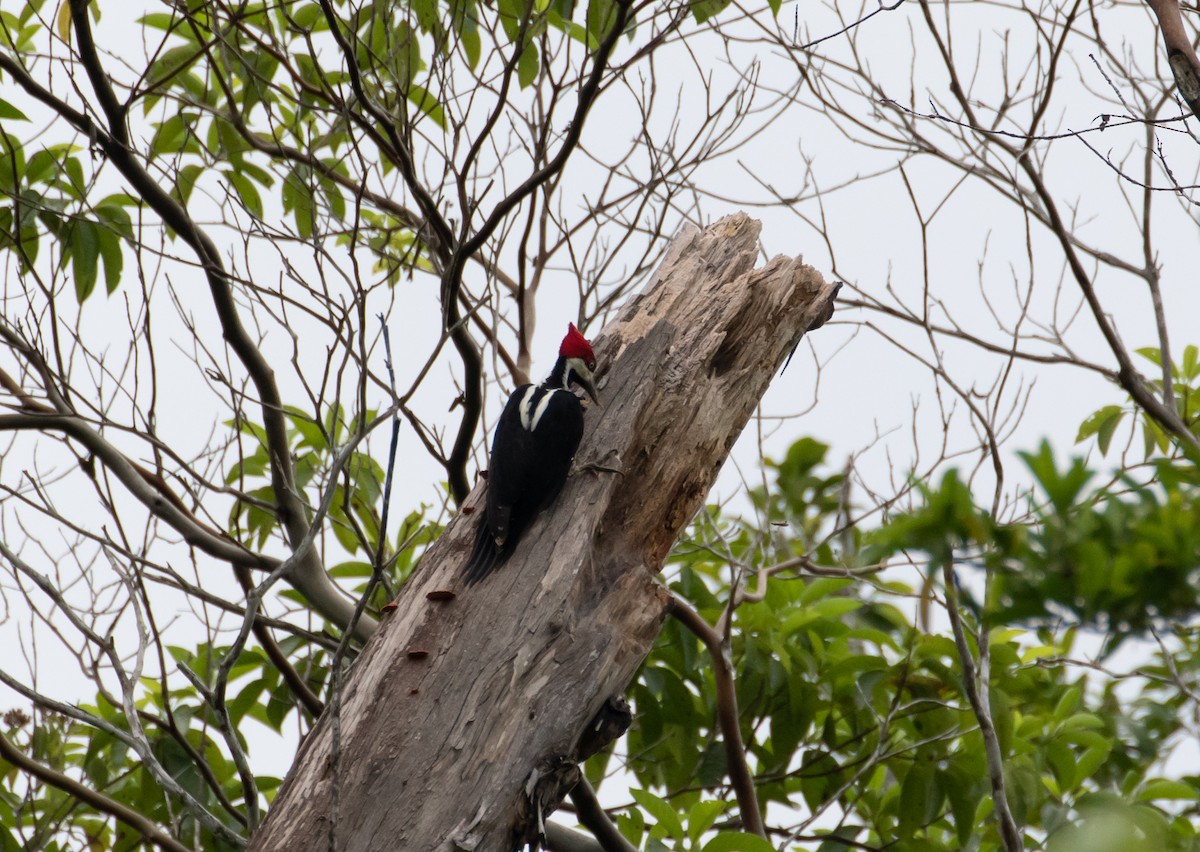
x=581 y=361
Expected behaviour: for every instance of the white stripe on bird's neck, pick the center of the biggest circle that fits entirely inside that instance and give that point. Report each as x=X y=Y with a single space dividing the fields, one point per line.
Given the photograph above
x=531 y=413
x=524 y=405
x=541 y=409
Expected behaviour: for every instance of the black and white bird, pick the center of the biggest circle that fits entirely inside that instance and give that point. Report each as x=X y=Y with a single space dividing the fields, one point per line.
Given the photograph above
x=535 y=441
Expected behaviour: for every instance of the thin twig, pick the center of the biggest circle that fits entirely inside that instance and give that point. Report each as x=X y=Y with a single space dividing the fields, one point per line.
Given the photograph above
x=378 y=562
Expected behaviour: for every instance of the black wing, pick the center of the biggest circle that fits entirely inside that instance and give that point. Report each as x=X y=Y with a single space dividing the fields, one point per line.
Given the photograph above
x=503 y=480
x=556 y=439
x=526 y=472
x=513 y=449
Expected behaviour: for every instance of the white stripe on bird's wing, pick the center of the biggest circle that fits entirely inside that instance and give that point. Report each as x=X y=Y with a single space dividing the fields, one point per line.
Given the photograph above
x=524 y=407
x=541 y=409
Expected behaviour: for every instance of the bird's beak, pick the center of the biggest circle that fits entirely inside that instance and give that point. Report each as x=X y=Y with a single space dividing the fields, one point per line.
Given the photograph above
x=587 y=385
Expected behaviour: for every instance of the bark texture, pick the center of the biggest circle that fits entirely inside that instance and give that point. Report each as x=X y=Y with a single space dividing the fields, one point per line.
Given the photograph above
x=1181 y=55
x=454 y=705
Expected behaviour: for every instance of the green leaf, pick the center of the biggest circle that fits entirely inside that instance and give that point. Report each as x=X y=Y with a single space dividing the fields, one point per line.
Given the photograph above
x=1190 y=369
x=918 y=792
x=510 y=14
x=247 y=192
x=342 y=530
x=1152 y=355
x=601 y=16
x=576 y=31
x=1154 y=437
x=1082 y=722
x=822 y=586
x=310 y=431
x=41 y=165
x=1105 y=435
x=64 y=21
x=427 y=14
x=1002 y=719
x=185 y=182
x=1096 y=421
x=333 y=197
x=405 y=55
x=298 y=200
x=252 y=465
x=1090 y=761
x=702 y=10
x=737 y=841
x=71 y=178
x=666 y=816
x=836 y=607
x=10 y=112
x=114 y=259
x=1063 y=489
x=112 y=213
x=425 y=101
x=171 y=62
x=245 y=699
x=632 y=826
x=171 y=136
x=12 y=165
x=1062 y=763
x=309 y=17
x=1068 y=704
x=1166 y=788
x=85 y=253
x=828 y=608
x=702 y=815
x=159 y=21
x=472 y=45
x=352 y=570
x=963 y=794
x=527 y=65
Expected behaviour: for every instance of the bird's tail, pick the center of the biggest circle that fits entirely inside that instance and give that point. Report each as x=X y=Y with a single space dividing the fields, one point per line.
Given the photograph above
x=485 y=556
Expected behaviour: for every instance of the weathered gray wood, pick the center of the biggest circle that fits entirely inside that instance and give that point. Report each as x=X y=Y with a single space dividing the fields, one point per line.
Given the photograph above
x=436 y=749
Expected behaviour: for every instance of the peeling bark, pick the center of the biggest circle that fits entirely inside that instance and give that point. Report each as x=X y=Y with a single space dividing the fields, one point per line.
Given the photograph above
x=454 y=703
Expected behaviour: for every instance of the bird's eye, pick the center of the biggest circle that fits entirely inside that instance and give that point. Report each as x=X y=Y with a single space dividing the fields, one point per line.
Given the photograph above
x=591 y=365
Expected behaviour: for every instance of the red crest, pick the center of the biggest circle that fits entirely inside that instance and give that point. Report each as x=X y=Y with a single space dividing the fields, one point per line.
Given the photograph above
x=575 y=345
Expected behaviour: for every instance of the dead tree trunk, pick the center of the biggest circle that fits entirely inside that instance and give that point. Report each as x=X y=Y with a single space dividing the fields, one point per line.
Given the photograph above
x=455 y=704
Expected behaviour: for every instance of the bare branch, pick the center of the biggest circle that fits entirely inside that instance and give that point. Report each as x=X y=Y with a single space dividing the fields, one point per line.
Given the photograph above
x=593 y=817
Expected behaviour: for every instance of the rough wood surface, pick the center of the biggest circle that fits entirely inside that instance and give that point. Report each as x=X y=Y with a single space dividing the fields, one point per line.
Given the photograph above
x=453 y=703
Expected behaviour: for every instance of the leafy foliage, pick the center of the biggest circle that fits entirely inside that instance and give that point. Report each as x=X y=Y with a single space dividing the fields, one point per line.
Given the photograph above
x=354 y=511
x=199 y=101
x=1114 y=558
x=850 y=709
x=1185 y=387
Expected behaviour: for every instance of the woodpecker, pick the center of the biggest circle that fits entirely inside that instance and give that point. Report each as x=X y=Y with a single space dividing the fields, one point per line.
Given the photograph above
x=535 y=441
